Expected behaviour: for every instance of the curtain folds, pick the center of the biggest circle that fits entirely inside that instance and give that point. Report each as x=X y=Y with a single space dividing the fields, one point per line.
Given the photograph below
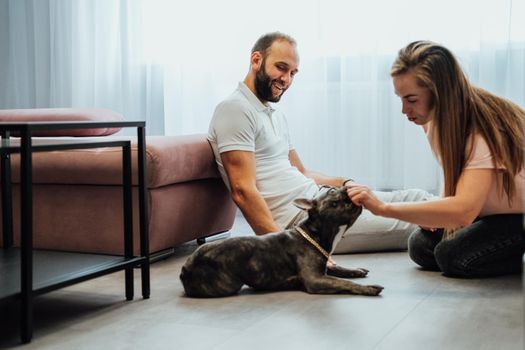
x=171 y=62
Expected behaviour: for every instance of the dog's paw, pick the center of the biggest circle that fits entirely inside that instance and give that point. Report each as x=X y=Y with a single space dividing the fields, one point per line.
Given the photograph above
x=373 y=289
x=343 y=272
x=360 y=272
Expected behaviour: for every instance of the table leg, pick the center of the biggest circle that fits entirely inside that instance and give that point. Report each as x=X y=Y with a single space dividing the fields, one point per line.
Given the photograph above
x=143 y=212
x=26 y=237
x=7 y=205
x=128 y=216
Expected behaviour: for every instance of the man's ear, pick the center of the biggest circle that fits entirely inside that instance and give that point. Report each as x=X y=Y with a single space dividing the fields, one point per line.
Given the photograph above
x=303 y=203
x=256 y=60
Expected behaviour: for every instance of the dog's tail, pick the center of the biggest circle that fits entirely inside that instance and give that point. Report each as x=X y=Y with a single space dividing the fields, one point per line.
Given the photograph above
x=185 y=275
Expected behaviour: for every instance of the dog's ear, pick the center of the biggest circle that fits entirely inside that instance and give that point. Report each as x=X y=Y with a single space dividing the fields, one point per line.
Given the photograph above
x=303 y=203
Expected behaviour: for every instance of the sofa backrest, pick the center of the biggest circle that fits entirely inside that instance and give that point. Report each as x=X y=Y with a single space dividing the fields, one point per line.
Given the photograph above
x=64 y=114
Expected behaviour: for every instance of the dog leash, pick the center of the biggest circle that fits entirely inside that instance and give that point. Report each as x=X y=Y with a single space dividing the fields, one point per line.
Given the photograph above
x=314 y=243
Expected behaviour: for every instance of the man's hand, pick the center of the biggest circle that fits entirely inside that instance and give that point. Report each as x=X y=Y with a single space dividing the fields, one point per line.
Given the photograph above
x=348 y=182
x=331 y=262
x=431 y=229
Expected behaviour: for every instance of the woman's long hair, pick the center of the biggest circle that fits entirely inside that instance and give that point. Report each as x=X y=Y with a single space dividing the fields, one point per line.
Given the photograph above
x=460 y=111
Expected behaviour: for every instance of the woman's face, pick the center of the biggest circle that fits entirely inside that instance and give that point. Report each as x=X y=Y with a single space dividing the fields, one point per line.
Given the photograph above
x=415 y=98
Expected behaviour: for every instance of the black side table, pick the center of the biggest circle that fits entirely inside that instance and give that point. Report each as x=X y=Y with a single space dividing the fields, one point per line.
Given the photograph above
x=27 y=272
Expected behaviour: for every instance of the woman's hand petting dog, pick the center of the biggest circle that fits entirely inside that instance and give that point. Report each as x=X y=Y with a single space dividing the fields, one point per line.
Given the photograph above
x=363 y=196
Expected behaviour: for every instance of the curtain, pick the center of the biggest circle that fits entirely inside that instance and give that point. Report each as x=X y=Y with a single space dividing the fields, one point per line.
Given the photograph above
x=61 y=53
x=170 y=62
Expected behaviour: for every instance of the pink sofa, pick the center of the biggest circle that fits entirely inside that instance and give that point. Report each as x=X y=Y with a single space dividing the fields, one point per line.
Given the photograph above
x=78 y=198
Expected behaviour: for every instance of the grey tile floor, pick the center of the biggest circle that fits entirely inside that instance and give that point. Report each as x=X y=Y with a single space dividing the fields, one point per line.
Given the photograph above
x=417 y=310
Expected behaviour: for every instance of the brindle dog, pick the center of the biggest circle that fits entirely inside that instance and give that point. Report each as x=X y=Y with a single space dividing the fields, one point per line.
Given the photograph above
x=280 y=261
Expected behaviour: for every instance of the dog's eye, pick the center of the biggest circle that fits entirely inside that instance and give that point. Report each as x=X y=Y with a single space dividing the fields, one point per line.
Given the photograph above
x=334 y=204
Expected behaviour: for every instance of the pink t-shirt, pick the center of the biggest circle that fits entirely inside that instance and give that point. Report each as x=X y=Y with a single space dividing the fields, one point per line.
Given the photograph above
x=497 y=201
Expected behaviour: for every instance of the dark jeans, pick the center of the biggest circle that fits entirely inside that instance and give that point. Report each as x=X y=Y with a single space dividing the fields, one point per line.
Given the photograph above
x=491 y=246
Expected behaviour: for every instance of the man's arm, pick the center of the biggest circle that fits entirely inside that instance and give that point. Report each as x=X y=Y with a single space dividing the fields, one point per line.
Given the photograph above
x=240 y=168
x=319 y=178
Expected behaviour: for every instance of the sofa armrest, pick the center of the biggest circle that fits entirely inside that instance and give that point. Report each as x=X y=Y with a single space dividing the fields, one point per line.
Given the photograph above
x=170 y=160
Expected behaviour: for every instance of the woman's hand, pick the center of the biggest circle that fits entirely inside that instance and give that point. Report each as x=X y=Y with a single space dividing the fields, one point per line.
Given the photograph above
x=363 y=196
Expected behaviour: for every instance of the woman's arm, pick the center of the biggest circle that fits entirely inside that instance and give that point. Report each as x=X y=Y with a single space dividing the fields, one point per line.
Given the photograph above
x=450 y=212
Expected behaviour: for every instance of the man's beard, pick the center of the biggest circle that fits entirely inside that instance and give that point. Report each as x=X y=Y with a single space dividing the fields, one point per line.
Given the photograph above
x=263 y=86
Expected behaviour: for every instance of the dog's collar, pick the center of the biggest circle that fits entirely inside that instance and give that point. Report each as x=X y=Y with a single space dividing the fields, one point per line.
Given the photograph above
x=313 y=242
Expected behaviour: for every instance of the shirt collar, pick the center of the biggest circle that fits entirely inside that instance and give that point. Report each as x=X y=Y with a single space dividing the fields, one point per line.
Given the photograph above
x=254 y=101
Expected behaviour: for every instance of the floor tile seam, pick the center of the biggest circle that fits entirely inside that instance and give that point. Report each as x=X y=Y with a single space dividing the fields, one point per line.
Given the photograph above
x=239 y=332
x=396 y=325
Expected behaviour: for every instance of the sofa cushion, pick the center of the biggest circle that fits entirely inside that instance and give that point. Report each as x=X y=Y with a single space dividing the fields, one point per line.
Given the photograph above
x=170 y=160
x=64 y=114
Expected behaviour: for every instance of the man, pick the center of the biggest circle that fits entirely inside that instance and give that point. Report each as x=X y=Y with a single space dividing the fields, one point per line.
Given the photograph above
x=263 y=171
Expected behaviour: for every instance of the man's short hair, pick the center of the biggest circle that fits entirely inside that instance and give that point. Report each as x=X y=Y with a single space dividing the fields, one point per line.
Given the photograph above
x=264 y=42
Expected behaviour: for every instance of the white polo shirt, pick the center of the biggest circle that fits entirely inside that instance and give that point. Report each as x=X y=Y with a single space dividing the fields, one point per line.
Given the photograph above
x=243 y=123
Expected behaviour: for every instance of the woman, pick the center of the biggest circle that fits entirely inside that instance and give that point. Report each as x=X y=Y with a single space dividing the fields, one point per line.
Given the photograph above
x=478 y=139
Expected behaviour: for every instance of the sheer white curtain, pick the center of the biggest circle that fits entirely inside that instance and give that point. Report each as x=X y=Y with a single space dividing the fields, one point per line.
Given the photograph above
x=81 y=53
x=170 y=62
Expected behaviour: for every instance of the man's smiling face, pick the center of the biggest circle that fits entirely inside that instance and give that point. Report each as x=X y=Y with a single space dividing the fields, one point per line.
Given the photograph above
x=277 y=71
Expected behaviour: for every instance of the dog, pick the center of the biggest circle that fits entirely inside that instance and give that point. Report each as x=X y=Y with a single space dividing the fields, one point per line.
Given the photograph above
x=294 y=259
